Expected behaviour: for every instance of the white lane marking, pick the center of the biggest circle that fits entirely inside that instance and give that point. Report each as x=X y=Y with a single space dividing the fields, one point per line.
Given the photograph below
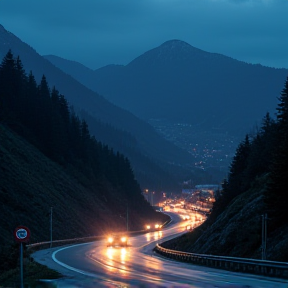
x=92 y=274
x=70 y=267
x=78 y=270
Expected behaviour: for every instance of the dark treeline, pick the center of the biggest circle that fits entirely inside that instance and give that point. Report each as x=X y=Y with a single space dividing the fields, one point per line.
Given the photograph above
x=256 y=185
x=262 y=154
x=90 y=187
x=43 y=116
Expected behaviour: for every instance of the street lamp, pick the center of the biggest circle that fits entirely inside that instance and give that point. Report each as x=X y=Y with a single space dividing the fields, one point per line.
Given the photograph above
x=146 y=195
x=264 y=235
x=51 y=215
x=127 y=219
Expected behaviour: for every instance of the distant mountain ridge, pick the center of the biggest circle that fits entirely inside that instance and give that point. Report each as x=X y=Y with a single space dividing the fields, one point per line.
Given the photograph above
x=182 y=83
x=149 y=143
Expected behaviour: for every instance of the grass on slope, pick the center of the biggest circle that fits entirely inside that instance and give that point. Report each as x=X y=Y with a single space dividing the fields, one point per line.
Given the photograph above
x=32 y=272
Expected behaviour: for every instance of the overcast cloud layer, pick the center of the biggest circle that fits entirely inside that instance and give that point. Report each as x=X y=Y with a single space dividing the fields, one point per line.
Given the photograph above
x=101 y=32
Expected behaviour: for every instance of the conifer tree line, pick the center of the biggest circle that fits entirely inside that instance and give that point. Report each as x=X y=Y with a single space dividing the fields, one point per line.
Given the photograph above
x=43 y=117
x=264 y=154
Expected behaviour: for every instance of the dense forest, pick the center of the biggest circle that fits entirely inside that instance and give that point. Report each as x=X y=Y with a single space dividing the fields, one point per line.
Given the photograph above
x=157 y=164
x=256 y=186
x=264 y=153
x=44 y=118
x=48 y=158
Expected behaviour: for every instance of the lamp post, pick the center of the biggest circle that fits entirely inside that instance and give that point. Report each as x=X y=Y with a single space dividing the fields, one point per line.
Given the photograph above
x=126 y=217
x=264 y=235
x=146 y=194
x=127 y=227
x=51 y=214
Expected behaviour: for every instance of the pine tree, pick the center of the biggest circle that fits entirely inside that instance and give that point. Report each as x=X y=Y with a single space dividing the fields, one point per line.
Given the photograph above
x=7 y=93
x=44 y=112
x=31 y=117
x=276 y=195
x=57 y=129
x=236 y=181
x=13 y=82
x=20 y=81
x=75 y=137
x=267 y=124
x=261 y=151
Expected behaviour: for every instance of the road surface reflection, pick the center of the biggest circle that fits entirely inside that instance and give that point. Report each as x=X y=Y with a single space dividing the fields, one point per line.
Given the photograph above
x=96 y=265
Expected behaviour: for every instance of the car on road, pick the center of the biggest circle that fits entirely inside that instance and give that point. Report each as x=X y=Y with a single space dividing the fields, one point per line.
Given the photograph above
x=189 y=227
x=120 y=240
x=157 y=227
x=153 y=227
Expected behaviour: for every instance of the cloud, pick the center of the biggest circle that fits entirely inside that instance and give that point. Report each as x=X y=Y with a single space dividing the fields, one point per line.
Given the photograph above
x=115 y=29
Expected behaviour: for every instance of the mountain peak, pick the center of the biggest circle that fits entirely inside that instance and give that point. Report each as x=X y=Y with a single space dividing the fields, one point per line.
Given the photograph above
x=175 y=43
x=178 y=44
x=172 y=50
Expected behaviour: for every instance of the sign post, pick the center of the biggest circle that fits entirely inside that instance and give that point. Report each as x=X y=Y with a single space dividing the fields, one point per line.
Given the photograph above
x=21 y=234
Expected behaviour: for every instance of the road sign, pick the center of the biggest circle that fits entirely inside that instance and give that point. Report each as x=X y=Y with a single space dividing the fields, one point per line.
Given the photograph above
x=22 y=234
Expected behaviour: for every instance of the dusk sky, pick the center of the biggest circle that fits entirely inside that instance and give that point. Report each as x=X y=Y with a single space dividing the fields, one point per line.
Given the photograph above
x=101 y=32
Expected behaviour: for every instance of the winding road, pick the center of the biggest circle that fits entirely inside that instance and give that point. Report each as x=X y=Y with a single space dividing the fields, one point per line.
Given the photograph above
x=96 y=265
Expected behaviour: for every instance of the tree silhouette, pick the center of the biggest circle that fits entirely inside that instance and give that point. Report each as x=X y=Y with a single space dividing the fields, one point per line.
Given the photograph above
x=57 y=131
x=276 y=196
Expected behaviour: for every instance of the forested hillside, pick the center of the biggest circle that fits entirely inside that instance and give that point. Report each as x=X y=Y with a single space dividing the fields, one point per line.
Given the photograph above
x=256 y=186
x=123 y=131
x=203 y=102
x=182 y=83
x=49 y=159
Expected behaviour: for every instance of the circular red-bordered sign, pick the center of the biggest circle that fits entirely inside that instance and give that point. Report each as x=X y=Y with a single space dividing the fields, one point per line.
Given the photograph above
x=22 y=234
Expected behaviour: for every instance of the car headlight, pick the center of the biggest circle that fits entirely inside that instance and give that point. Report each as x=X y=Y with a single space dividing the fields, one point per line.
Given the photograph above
x=110 y=239
x=123 y=239
x=157 y=226
x=147 y=226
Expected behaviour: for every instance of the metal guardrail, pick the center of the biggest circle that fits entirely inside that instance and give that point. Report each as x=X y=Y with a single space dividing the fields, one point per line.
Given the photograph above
x=55 y=243
x=254 y=266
